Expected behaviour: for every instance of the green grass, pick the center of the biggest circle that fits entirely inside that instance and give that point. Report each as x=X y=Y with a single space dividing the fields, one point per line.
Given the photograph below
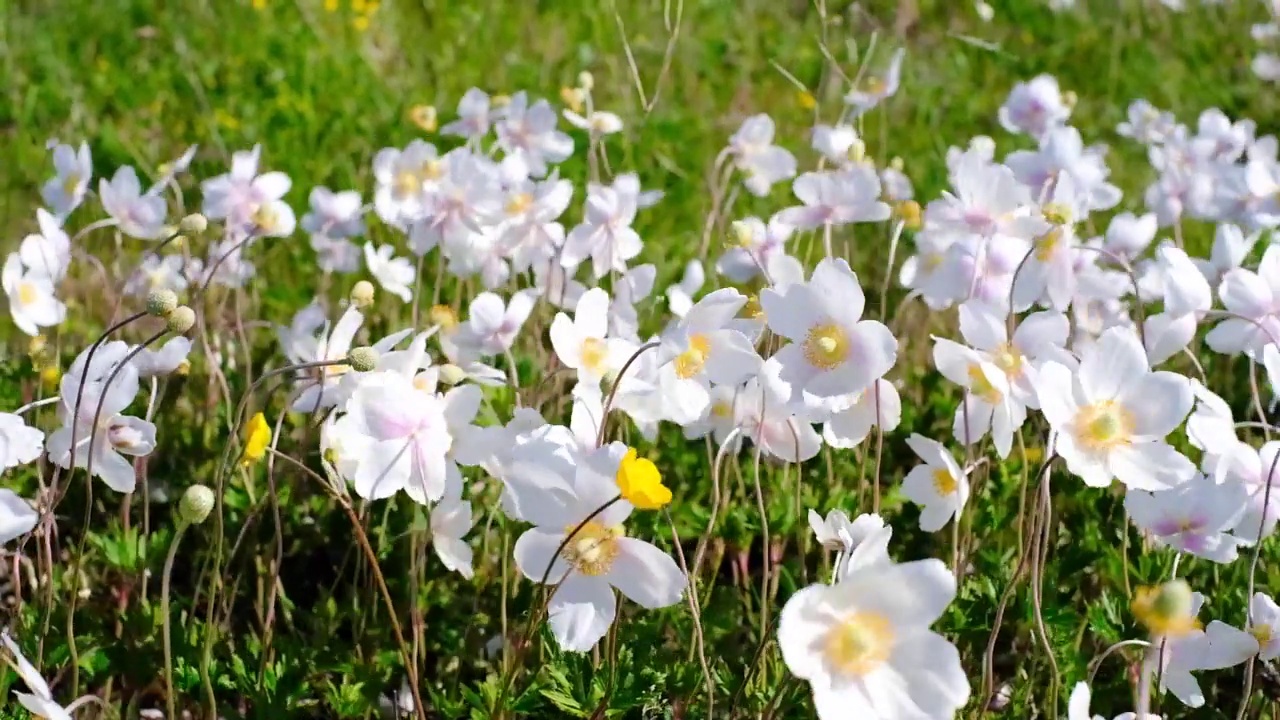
x=140 y=81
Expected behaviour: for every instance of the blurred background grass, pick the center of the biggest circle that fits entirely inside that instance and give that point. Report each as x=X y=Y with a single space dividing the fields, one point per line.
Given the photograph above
x=324 y=84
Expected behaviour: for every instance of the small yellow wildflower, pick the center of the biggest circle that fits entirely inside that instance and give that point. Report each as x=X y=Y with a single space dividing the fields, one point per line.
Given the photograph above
x=806 y=99
x=259 y=4
x=257 y=438
x=1165 y=610
x=424 y=116
x=640 y=482
x=360 y=23
x=50 y=375
x=331 y=5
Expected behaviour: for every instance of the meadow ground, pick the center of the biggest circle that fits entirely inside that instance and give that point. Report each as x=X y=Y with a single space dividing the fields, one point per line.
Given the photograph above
x=323 y=86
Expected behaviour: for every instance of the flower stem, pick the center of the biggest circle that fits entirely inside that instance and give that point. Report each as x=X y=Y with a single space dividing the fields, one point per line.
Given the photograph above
x=164 y=609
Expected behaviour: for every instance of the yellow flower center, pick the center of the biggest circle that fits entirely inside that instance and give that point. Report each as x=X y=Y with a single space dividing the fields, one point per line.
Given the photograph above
x=406 y=183
x=573 y=97
x=433 y=169
x=944 y=483
x=424 y=116
x=861 y=643
x=690 y=362
x=519 y=203
x=1166 y=609
x=27 y=292
x=594 y=352
x=1261 y=633
x=1009 y=359
x=873 y=85
x=266 y=217
x=980 y=386
x=444 y=316
x=931 y=261
x=1103 y=425
x=70 y=183
x=1047 y=244
x=722 y=409
x=752 y=308
x=592 y=549
x=827 y=346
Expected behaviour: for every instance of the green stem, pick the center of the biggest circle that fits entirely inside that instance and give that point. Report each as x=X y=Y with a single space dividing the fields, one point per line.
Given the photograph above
x=164 y=606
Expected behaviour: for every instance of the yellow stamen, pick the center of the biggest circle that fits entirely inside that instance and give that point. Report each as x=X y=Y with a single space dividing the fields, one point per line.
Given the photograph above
x=1103 y=425
x=861 y=643
x=591 y=551
x=690 y=362
x=594 y=352
x=944 y=483
x=827 y=346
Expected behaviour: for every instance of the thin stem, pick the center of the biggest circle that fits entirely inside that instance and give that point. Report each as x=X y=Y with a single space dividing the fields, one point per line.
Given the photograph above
x=613 y=391
x=164 y=610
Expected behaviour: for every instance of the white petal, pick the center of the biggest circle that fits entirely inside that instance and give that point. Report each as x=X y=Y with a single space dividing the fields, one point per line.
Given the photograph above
x=646 y=575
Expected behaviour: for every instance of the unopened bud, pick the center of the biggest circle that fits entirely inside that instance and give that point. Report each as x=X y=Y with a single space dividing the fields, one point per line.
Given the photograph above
x=1069 y=98
x=586 y=81
x=161 y=302
x=196 y=504
x=857 y=150
x=195 y=223
x=363 y=359
x=908 y=211
x=181 y=319
x=742 y=235
x=444 y=316
x=362 y=294
x=451 y=374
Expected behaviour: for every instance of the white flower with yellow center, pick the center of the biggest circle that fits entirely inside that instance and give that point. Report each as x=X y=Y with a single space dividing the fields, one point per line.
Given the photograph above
x=581 y=343
x=940 y=486
x=31 y=300
x=703 y=349
x=833 y=350
x=865 y=646
x=1264 y=626
x=1111 y=415
x=557 y=496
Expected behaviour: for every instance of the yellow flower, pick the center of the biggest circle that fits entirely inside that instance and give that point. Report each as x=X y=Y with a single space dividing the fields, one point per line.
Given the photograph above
x=806 y=99
x=360 y=23
x=257 y=438
x=424 y=116
x=331 y=5
x=1165 y=610
x=640 y=482
x=259 y=4
x=50 y=375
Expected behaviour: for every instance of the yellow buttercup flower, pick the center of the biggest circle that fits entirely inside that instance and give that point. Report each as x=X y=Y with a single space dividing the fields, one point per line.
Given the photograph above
x=640 y=482
x=257 y=438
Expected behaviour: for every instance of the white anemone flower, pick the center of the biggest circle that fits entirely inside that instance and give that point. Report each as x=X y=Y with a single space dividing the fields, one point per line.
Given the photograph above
x=702 y=349
x=680 y=295
x=394 y=274
x=1111 y=415
x=861 y=543
x=473 y=116
x=450 y=522
x=114 y=435
x=19 y=443
x=1195 y=517
x=492 y=326
x=764 y=413
x=32 y=302
x=39 y=701
x=939 y=486
x=317 y=387
x=1078 y=706
x=880 y=405
x=137 y=214
x=757 y=157
x=1264 y=625
x=581 y=343
x=598 y=558
x=597 y=122
x=831 y=198
x=865 y=647
x=73 y=169
x=833 y=350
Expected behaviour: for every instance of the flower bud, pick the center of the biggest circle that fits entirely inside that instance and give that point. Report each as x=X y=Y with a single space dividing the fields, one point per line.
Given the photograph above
x=363 y=359
x=444 y=316
x=161 y=302
x=362 y=294
x=181 y=319
x=196 y=504
x=908 y=211
x=451 y=374
x=586 y=81
x=194 y=224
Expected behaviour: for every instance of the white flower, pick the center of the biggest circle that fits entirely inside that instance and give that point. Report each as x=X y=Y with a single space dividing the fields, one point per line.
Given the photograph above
x=605 y=234
x=450 y=521
x=403 y=179
x=703 y=349
x=861 y=543
x=158 y=272
x=491 y=327
x=871 y=90
x=17 y=517
x=170 y=356
x=1216 y=647
x=528 y=133
x=394 y=274
x=396 y=437
x=473 y=116
x=39 y=702
x=1264 y=625
x=249 y=202
x=1194 y=517
x=596 y=123
x=31 y=300
x=581 y=343
x=865 y=646
x=19 y=442
x=65 y=190
x=1078 y=706
x=1111 y=416
x=940 y=486
x=47 y=253
x=1186 y=291
x=833 y=351
x=317 y=387
x=136 y=214
x=755 y=155
x=765 y=415
x=598 y=558
x=836 y=198
x=1230 y=247
x=1034 y=107
x=1255 y=297
x=988 y=200
x=680 y=295
x=115 y=436
x=1128 y=234
x=334 y=215
x=839 y=143
x=755 y=248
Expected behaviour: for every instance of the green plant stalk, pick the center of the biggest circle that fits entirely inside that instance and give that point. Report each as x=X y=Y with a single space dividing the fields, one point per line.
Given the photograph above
x=164 y=609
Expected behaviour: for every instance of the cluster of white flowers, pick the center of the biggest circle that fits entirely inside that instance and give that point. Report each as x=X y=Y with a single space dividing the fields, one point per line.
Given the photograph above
x=1051 y=316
